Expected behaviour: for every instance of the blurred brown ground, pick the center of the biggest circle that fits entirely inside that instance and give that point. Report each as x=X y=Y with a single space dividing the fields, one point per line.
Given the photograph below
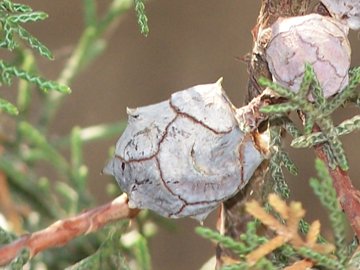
x=190 y=42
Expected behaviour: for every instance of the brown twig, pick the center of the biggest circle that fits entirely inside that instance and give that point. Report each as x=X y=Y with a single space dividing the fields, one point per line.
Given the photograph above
x=63 y=231
x=347 y=194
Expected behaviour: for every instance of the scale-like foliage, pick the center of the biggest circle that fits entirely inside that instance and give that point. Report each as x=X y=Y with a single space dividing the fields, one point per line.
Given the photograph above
x=12 y=15
x=287 y=245
x=317 y=113
x=142 y=18
x=325 y=191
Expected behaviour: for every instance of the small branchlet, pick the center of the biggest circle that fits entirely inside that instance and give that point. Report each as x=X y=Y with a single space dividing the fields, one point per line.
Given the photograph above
x=12 y=15
x=293 y=243
x=279 y=158
x=325 y=191
x=317 y=112
x=239 y=248
x=141 y=17
x=8 y=71
x=287 y=232
x=346 y=127
x=8 y=107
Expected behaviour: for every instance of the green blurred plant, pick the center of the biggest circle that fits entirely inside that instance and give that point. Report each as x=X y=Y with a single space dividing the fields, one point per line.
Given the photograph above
x=14 y=38
x=30 y=145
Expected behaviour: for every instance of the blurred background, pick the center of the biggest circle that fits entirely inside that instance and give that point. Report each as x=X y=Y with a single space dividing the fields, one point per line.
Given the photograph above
x=190 y=42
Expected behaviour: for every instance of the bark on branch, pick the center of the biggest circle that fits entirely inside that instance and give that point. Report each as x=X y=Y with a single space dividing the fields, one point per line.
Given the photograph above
x=63 y=231
x=348 y=196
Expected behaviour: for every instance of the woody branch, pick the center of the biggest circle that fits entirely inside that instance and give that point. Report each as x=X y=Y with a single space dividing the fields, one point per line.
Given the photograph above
x=63 y=231
x=348 y=196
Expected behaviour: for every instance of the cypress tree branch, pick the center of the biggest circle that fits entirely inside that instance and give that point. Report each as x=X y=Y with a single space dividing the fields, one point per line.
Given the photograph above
x=63 y=231
x=347 y=194
x=233 y=217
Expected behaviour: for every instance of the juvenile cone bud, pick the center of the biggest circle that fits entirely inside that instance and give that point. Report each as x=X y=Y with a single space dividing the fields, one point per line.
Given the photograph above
x=314 y=39
x=347 y=11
